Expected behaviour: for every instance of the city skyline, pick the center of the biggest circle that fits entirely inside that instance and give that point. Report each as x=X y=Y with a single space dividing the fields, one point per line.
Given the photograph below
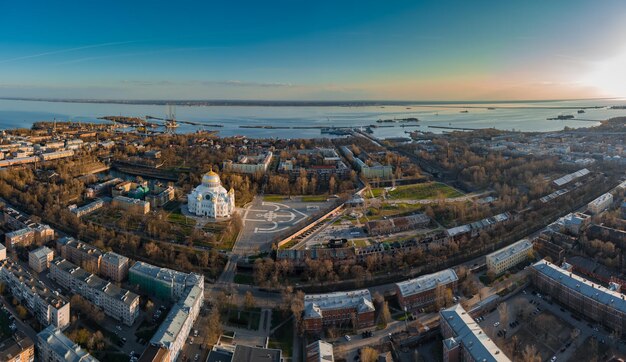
x=291 y=51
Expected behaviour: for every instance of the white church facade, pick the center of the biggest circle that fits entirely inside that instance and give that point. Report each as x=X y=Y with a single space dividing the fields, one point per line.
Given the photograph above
x=211 y=198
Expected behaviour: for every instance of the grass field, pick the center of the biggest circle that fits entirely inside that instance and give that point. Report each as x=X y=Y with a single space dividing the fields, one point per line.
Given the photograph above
x=283 y=337
x=274 y=198
x=314 y=198
x=241 y=278
x=428 y=190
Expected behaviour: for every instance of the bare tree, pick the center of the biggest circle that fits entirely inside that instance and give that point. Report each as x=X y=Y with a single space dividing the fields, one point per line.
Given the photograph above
x=503 y=313
x=385 y=314
x=530 y=354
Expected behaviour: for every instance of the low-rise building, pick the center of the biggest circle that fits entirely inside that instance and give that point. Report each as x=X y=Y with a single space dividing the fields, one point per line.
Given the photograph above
x=116 y=302
x=39 y=259
x=508 y=257
x=3 y=252
x=600 y=204
x=161 y=198
x=464 y=340
x=338 y=309
x=585 y=297
x=133 y=205
x=49 y=307
x=397 y=224
x=424 y=291
x=84 y=255
x=43 y=233
x=54 y=346
x=320 y=351
x=87 y=209
x=155 y=354
x=162 y=282
x=114 y=266
x=17 y=348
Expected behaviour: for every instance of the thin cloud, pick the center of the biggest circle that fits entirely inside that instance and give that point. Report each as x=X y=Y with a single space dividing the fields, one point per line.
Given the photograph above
x=68 y=50
x=228 y=83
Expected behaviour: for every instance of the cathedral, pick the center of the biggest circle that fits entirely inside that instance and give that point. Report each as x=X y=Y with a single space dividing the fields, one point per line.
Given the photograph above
x=211 y=198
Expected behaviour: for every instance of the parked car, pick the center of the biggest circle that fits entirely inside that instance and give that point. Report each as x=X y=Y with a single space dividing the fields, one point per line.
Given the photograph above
x=347 y=337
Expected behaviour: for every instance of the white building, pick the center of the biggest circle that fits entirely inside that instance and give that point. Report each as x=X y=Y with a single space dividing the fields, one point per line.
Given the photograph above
x=600 y=204
x=502 y=260
x=249 y=164
x=47 y=306
x=39 y=259
x=211 y=198
x=54 y=346
x=116 y=302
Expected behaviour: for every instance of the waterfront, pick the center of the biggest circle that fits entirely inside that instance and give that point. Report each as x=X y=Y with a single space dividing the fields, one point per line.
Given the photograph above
x=530 y=116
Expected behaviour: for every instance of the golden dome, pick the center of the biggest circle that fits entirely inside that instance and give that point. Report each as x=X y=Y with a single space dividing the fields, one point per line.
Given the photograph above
x=211 y=178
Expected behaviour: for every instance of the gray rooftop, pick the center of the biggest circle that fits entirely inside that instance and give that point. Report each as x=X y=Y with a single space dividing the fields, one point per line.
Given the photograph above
x=63 y=346
x=314 y=304
x=41 y=252
x=591 y=290
x=426 y=282
x=474 y=340
x=510 y=250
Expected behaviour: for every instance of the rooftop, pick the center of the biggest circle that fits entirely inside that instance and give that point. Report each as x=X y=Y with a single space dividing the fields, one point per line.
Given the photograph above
x=14 y=345
x=63 y=346
x=591 y=290
x=426 y=282
x=321 y=351
x=255 y=354
x=474 y=340
x=603 y=198
x=114 y=258
x=35 y=285
x=42 y=252
x=164 y=274
x=510 y=250
x=314 y=304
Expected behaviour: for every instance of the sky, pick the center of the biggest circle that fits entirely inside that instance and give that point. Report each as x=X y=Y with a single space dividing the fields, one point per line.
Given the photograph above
x=313 y=50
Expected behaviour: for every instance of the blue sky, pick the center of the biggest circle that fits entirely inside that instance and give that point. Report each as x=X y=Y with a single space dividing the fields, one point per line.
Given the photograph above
x=313 y=49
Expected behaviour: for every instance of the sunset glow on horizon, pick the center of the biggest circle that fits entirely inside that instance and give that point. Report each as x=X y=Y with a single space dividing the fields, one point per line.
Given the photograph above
x=405 y=50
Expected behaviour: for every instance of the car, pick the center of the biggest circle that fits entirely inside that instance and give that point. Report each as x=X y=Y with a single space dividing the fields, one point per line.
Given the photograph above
x=118 y=328
x=496 y=324
x=195 y=333
x=196 y=357
x=123 y=339
x=190 y=340
x=347 y=337
x=132 y=354
x=553 y=359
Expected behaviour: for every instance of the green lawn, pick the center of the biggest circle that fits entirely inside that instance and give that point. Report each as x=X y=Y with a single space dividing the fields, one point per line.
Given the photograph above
x=314 y=198
x=274 y=198
x=428 y=190
x=241 y=278
x=359 y=243
x=283 y=337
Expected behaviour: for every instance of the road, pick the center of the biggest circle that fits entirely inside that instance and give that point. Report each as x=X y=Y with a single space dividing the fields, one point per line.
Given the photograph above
x=21 y=326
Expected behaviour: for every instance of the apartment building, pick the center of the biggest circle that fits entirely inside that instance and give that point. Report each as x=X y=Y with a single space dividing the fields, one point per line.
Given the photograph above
x=114 y=266
x=17 y=348
x=49 y=307
x=422 y=292
x=84 y=255
x=162 y=282
x=22 y=237
x=587 y=298
x=464 y=340
x=39 y=259
x=174 y=330
x=600 y=204
x=116 y=302
x=161 y=198
x=336 y=309
x=54 y=346
x=502 y=260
